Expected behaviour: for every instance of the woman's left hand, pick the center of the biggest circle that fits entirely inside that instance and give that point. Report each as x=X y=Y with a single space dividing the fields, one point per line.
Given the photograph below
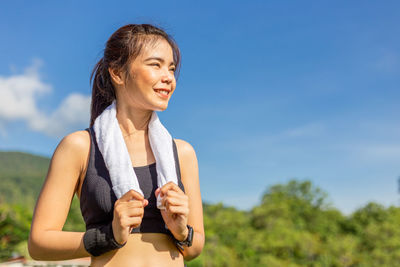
x=176 y=210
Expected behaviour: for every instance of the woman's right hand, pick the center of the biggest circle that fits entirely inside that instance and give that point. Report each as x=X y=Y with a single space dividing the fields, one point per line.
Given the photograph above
x=128 y=214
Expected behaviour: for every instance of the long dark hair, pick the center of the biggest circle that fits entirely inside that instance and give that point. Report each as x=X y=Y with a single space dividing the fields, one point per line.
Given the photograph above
x=124 y=45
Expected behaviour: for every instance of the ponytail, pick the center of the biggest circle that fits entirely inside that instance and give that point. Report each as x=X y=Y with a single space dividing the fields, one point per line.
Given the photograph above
x=103 y=92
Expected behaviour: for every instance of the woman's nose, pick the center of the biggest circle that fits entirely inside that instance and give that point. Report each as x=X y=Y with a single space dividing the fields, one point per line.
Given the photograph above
x=167 y=77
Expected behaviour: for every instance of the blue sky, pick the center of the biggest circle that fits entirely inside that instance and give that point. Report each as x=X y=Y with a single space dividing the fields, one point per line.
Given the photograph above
x=268 y=91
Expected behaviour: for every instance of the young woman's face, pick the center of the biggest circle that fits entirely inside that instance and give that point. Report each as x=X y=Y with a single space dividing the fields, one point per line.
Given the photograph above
x=151 y=79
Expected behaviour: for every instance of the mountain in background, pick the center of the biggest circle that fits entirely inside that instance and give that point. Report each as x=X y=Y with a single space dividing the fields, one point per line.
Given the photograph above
x=22 y=176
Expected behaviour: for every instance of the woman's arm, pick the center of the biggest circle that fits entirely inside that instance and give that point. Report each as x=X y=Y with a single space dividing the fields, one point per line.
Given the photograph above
x=190 y=179
x=47 y=241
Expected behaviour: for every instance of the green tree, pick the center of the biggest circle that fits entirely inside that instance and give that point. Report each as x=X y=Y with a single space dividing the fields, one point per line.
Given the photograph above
x=377 y=228
x=15 y=223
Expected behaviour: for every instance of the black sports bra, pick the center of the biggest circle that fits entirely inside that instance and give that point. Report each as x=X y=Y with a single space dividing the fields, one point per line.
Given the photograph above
x=97 y=197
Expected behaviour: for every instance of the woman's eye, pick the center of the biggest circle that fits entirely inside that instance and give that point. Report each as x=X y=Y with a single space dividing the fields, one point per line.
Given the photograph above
x=172 y=69
x=155 y=64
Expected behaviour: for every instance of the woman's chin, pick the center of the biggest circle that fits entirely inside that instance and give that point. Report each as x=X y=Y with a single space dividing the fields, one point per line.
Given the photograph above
x=161 y=107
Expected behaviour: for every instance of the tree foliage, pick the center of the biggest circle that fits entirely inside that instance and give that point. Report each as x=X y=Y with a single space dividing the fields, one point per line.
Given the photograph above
x=294 y=225
x=15 y=223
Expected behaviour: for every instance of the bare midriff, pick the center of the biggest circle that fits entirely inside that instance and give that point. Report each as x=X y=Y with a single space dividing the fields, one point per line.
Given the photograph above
x=142 y=249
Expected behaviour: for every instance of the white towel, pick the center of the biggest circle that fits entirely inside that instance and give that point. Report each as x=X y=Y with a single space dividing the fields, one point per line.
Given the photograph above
x=116 y=157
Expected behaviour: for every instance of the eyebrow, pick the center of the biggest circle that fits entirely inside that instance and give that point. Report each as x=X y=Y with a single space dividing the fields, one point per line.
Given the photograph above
x=159 y=59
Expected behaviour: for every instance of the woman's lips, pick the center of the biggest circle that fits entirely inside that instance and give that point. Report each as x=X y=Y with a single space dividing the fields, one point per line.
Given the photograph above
x=162 y=95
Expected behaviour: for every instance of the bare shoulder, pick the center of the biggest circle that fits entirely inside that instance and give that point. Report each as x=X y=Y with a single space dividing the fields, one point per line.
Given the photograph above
x=185 y=150
x=188 y=163
x=72 y=151
x=78 y=141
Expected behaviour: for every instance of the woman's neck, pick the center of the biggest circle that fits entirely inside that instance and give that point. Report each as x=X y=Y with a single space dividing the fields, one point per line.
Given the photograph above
x=133 y=121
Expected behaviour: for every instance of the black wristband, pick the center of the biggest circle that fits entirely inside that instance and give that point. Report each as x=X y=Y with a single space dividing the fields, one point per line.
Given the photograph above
x=100 y=240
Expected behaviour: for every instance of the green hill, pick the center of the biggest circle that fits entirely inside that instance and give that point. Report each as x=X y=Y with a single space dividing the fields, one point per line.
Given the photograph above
x=22 y=176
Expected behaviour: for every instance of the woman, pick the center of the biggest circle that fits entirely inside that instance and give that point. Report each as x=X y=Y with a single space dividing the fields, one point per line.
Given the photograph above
x=138 y=72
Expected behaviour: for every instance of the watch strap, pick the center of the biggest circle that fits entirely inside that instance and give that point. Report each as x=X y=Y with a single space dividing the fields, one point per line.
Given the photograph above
x=187 y=242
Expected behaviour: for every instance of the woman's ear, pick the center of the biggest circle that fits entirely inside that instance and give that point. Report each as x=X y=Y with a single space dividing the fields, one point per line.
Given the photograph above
x=117 y=76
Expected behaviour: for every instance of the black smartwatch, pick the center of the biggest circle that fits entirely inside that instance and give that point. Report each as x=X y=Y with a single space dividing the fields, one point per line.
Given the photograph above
x=187 y=242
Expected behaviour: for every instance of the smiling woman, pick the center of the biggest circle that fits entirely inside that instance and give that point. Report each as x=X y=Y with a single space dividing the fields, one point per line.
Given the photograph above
x=155 y=215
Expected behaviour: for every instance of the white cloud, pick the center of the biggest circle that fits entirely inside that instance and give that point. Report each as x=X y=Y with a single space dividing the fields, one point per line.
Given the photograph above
x=72 y=114
x=18 y=94
x=19 y=101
